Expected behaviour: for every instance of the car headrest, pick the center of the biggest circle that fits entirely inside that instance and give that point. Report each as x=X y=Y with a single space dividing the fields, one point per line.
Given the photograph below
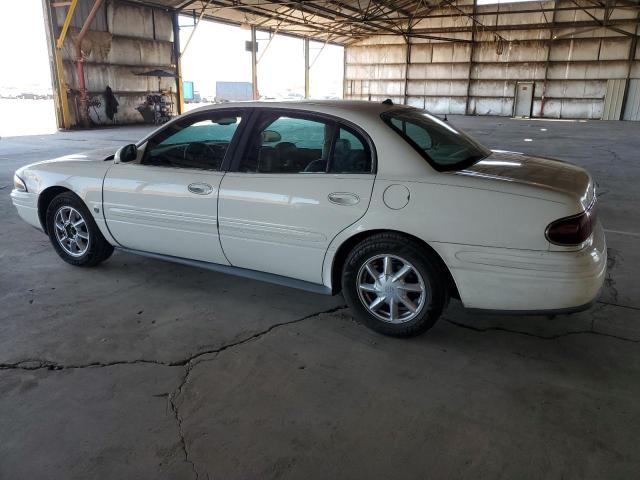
x=284 y=146
x=343 y=146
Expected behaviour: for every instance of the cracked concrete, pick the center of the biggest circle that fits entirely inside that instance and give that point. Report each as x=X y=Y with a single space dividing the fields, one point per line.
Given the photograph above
x=142 y=369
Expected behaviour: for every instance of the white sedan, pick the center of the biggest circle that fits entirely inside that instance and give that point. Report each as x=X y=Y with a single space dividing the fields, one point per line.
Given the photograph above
x=392 y=206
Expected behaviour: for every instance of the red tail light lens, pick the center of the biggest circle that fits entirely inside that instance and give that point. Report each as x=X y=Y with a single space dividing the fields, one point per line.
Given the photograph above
x=572 y=230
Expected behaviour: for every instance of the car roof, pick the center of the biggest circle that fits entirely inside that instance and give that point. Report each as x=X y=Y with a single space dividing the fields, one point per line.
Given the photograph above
x=341 y=108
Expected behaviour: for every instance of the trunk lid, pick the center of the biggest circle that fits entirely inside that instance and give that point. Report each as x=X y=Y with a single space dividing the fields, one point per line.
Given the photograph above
x=541 y=172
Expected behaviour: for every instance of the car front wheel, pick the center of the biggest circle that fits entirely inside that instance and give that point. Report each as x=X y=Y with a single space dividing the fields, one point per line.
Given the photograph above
x=394 y=286
x=74 y=233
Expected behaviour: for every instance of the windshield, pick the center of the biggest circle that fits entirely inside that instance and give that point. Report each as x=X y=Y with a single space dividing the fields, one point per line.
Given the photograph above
x=443 y=146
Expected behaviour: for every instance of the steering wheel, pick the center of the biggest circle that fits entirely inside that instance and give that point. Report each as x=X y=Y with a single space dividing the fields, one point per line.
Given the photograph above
x=200 y=153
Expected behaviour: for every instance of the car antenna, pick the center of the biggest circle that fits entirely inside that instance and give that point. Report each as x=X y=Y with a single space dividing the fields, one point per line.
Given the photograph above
x=388 y=101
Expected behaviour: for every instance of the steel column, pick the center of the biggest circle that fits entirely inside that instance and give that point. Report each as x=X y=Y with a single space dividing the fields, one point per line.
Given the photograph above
x=57 y=51
x=546 y=64
x=306 y=68
x=473 y=43
x=175 y=20
x=407 y=61
x=254 y=64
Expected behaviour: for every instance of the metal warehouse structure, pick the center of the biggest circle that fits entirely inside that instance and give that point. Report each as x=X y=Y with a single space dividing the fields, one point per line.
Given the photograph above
x=556 y=58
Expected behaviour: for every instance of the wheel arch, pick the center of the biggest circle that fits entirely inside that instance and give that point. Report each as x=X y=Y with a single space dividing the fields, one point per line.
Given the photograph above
x=347 y=245
x=44 y=200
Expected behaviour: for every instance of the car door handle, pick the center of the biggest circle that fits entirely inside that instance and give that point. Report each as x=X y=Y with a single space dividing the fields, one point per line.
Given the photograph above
x=344 y=198
x=200 y=188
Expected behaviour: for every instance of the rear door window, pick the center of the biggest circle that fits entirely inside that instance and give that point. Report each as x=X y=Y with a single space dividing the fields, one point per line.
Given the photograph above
x=288 y=144
x=305 y=144
x=351 y=154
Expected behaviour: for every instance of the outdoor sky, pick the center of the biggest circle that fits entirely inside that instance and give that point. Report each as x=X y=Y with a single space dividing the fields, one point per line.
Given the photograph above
x=217 y=53
x=23 y=45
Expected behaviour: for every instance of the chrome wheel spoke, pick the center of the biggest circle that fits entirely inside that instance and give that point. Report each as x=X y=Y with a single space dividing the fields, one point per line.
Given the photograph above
x=377 y=303
x=411 y=287
x=402 y=273
x=368 y=287
x=83 y=235
x=387 y=266
x=371 y=271
x=408 y=303
x=393 y=309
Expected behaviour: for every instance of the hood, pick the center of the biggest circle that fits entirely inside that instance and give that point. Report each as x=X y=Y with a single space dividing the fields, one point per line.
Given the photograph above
x=544 y=173
x=60 y=171
x=98 y=155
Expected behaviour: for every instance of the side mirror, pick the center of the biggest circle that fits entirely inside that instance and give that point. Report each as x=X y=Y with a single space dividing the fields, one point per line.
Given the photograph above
x=269 y=136
x=128 y=153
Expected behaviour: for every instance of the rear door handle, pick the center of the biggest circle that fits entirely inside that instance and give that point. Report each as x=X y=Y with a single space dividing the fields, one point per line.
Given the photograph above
x=200 y=188
x=344 y=198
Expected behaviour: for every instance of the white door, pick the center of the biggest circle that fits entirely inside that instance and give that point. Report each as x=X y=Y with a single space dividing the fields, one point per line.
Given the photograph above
x=524 y=99
x=300 y=181
x=166 y=202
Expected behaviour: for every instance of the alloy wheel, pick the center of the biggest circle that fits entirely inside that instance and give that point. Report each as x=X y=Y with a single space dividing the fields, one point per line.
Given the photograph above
x=391 y=288
x=71 y=231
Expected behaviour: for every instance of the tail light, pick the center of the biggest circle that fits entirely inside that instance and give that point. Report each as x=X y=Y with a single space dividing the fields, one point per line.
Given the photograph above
x=572 y=230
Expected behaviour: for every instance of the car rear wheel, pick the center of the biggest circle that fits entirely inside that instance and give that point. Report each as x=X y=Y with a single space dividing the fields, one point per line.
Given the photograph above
x=74 y=233
x=394 y=286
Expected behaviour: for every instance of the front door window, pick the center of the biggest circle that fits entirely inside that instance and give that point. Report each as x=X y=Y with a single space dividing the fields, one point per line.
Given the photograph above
x=196 y=143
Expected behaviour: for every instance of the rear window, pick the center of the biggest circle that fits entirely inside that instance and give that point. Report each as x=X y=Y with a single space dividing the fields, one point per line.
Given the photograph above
x=442 y=145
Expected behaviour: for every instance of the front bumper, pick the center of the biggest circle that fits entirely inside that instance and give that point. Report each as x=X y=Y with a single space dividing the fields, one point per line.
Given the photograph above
x=525 y=281
x=27 y=205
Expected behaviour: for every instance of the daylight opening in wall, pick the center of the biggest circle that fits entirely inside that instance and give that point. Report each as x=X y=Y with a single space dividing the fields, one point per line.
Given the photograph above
x=216 y=65
x=26 y=100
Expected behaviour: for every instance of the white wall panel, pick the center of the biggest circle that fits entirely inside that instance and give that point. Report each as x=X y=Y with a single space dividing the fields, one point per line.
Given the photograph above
x=441 y=74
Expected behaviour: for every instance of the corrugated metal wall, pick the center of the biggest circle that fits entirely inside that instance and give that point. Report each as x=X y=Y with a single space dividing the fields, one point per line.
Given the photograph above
x=613 y=99
x=632 y=110
x=571 y=71
x=124 y=39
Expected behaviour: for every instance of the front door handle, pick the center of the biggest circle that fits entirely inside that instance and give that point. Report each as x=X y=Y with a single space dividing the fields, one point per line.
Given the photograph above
x=344 y=198
x=200 y=188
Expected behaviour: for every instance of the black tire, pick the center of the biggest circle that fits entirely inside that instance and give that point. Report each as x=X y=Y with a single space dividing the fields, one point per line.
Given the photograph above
x=97 y=248
x=401 y=248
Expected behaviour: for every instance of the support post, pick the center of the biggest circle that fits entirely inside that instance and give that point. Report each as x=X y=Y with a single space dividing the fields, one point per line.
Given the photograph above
x=632 y=56
x=546 y=63
x=254 y=63
x=306 y=68
x=473 y=43
x=63 y=99
x=178 y=59
x=344 y=74
x=406 y=68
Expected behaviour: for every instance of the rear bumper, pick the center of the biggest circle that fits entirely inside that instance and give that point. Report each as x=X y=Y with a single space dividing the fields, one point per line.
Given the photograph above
x=528 y=282
x=27 y=205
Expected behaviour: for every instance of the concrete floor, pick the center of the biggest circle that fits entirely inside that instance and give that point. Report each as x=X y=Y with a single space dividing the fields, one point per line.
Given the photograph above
x=144 y=369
